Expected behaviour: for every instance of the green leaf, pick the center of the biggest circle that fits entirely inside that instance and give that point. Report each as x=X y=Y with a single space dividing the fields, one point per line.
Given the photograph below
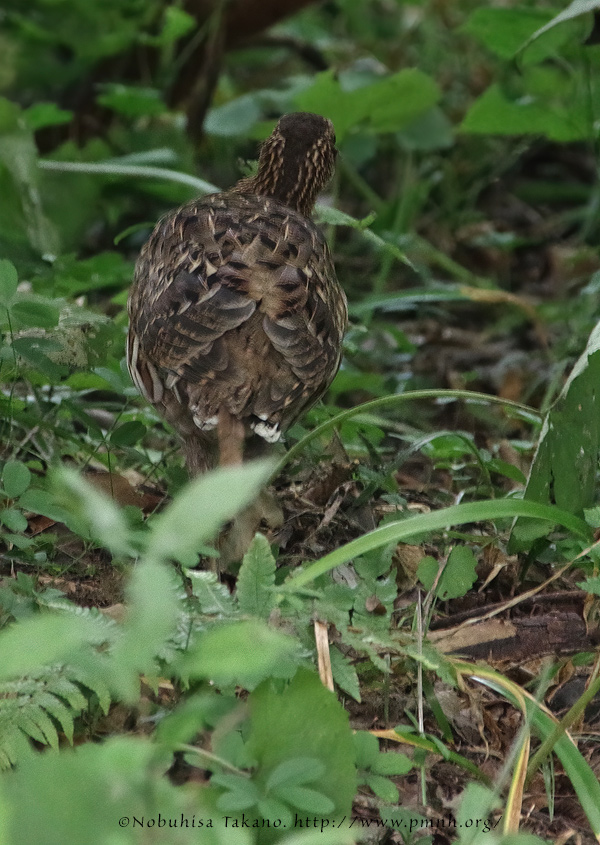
x=305 y=799
x=236 y=117
x=33 y=350
x=256 y=579
x=106 y=785
x=574 y=10
x=128 y=434
x=415 y=525
x=34 y=313
x=272 y=738
x=383 y=788
x=396 y=101
x=392 y=763
x=49 y=638
x=18 y=154
x=384 y=106
x=43 y=502
x=131 y=101
x=8 y=282
x=91 y=512
x=344 y=674
x=10 y=114
x=213 y=597
x=46 y=114
x=176 y=24
x=493 y=113
x=506 y=31
x=202 y=507
x=13 y=519
x=457 y=577
x=296 y=770
x=242 y=794
x=591 y=585
x=151 y=620
x=366 y=748
x=16 y=478
x=241 y=653
x=564 y=467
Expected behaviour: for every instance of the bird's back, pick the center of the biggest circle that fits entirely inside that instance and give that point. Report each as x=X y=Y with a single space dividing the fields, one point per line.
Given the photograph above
x=236 y=306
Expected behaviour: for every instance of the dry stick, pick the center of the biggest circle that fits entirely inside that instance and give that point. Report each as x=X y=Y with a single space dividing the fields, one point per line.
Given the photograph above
x=323 y=655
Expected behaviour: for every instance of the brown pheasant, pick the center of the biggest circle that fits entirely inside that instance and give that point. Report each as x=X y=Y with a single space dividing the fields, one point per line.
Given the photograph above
x=236 y=317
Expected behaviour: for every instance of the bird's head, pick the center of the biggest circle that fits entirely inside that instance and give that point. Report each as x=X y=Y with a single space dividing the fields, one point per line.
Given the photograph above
x=296 y=161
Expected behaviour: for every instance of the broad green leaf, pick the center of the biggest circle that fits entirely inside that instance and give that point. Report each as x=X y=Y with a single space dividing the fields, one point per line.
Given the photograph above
x=326 y=735
x=574 y=10
x=202 y=507
x=213 y=597
x=35 y=351
x=8 y=282
x=296 y=770
x=49 y=638
x=398 y=100
x=92 y=513
x=477 y=802
x=564 y=467
x=256 y=578
x=18 y=154
x=45 y=114
x=493 y=113
x=366 y=747
x=13 y=519
x=236 y=117
x=241 y=653
x=505 y=31
x=192 y=715
x=43 y=502
x=28 y=312
x=241 y=794
x=384 y=106
x=305 y=799
x=104 y=270
x=16 y=478
x=132 y=101
x=9 y=115
x=128 y=434
x=105 y=786
x=176 y=24
x=591 y=585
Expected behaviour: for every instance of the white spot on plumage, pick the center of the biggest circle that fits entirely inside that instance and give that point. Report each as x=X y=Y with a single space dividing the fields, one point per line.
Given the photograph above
x=268 y=431
x=206 y=424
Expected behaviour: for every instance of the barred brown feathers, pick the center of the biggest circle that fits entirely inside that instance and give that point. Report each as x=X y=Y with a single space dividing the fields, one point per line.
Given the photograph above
x=236 y=316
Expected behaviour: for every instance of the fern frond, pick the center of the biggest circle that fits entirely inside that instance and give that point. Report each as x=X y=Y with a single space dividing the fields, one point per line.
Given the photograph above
x=38 y=707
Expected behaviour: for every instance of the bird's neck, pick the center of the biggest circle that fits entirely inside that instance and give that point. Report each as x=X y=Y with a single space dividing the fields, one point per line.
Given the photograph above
x=295 y=191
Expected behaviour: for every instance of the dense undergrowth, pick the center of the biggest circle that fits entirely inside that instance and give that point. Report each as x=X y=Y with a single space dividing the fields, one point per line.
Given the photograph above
x=450 y=477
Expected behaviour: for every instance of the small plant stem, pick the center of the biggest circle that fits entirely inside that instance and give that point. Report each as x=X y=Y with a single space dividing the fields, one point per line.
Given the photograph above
x=209 y=757
x=453 y=268
x=399 y=224
x=107 y=168
x=361 y=185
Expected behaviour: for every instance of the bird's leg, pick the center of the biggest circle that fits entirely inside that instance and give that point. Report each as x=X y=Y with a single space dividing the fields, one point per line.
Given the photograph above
x=235 y=542
x=230 y=434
